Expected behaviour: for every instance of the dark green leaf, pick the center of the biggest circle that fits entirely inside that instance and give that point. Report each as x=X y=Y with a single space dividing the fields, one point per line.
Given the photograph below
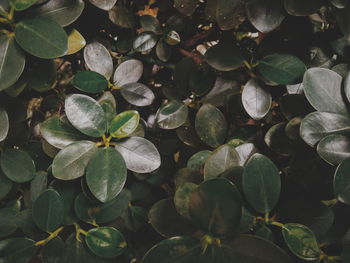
x=41 y=75
x=198 y=160
x=8 y=223
x=90 y=81
x=20 y=5
x=182 y=199
x=19 y=250
x=5 y=185
x=38 y=185
x=122 y=16
x=53 y=252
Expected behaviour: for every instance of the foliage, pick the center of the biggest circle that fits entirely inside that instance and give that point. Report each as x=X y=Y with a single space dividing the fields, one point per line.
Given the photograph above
x=174 y=131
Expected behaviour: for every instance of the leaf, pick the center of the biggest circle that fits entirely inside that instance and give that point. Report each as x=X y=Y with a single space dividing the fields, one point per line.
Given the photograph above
x=53 y=251
x=90 y=82
x=216 y=207
x=185 y=175
x=48 y=210
x=98 y=59
x=322 y=88
x=41 y=37
x=77 y=251
x=198 y=160
x=105 y=242
x=282 y=69
x=229 y=14
x=222 y=159
x=186 y=7
x=38 y=185
x=301 y=241
x=182 y=199
x=341 y=182
x=124 y=124
x=7 y=223
x=163 y=51
x=75 y=42
x=5 y=185
x=334 y=148
x=202 y=81
x=150 y=23
x=245 y=151
x=347 y=86
x=103 y=4
x=302 y=8
x=172 y=115
x=20 y=5
x=145 y=41
x=140 y=155
x=167 y=221
x=4 y=124
x=317 y=125
x=343 y=21
x=186 y=249
x=70 y=162
x=224 y=57
x=261 y=183
x=122 y=16
x=137 y=94
x=17 y=249
x=211 y=125
x=256 y=99
x=85 y=114
x=129 y=71
x=17 y=165
x=12 y=61
x=106 y=174
x=171 y=37
x=64 y=12
x=265 y=15
x=58 y=132
x=278 y=141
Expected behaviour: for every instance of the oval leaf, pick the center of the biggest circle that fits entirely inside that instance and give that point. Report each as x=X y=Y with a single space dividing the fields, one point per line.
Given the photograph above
x=98 y=59
x=124 y=124
x=172 y=115
x=334 y=148
x=90 y=82
x=129 y=71
x=137 y=94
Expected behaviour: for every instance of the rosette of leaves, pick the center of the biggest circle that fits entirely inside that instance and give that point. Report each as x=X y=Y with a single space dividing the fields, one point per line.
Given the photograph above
x=93 y=140
x=36 y=28
x=125 y=77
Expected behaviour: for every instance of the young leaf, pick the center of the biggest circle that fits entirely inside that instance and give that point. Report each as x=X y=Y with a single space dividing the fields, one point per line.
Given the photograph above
x=124 y=124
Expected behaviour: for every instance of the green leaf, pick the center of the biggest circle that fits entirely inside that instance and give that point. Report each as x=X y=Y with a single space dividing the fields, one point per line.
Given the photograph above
x=163 y=51
x=88 y=210
x=211 y=125
x=185 y=175
x=20 y=5
x=145 y=41
x=53 y=251
x=86 y=115
x=140 y=155
x=124 y=124
x=122 y=16
x=322 y=88
x=182 y=199
x=301 y=241
x=12 y=61
x=334 y=148
x=4 y=124
x=282 y=68
x=103 y=4
x=216 y=207
x=98 y=59
x=318 y=125
x=198 y=160
x=19 y=250
x=5 y=185
x=256 y=99
x=224 y=57
x=106 y=174
x=41 y=75
x=165 y=219
x=41 y=37
x=137 y=94
x=48 y=210
x=106 y=242
x=261 y=183
x=174 y=250
x=90 y=82
x=222 y=159
x=129 y=71
x=265 y=15
x=38 y=185
x=7 y=223
x=17 y=165
x=277 y=140
x=109 y=105
x=58 y=132
x=341 y=182
x=150 y=23
x=64 y=12
x=172 y=115
x=186 y=7
x=229 y=13
x=70 y=163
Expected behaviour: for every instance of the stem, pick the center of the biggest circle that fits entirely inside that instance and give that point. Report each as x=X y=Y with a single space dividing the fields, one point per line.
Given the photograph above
x=331 y=202
x=51 y=236
x=79 y=231
x=275 y=223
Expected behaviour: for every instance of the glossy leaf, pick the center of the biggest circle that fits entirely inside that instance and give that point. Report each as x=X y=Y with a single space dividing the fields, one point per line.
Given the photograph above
x=106 y=174
x=145 y=41
x=137 y=94
x=103 y=4
x=261 y=183
x=140 y=155
x=90 y=81
x=19 y=250
x=41 y=37
x=124 y=124
x=48 y=210
x=75 y=42
x=17 y=165
x=12 y=61
x=215 y=206
x=38 y=185
x=172 y=115
x=4 y=124
x=53 y=252
x=334 y=148
x=85 y=114
x=20 y=5
x=341 y=182
x=282 y=68
x=98 y=59
x=129 y=71
x=105 y=242
x=70 y=163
